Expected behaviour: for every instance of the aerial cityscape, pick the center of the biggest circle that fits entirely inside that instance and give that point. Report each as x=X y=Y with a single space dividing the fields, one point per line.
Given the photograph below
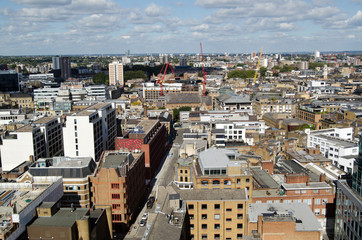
x=204 y=119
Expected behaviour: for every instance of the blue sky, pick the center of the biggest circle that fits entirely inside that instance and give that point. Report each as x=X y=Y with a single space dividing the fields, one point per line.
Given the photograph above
x=37 y=27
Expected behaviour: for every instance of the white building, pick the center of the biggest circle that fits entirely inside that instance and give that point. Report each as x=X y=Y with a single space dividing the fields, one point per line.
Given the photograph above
x=90 y=131
x=96 y=92
x=42 y=138
x=236 y=131
x=336 y=144
x=116 y=74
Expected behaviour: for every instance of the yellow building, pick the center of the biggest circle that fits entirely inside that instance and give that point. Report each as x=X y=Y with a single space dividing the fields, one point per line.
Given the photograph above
x=216 y=214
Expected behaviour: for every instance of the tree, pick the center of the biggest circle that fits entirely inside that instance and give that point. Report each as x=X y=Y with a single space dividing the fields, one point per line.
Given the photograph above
x=101 y=78
x=241 y=74
x=134 y=75
x=263 y=71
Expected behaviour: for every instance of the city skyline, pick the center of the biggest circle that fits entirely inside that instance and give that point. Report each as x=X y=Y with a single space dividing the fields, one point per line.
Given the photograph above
x=35 y=27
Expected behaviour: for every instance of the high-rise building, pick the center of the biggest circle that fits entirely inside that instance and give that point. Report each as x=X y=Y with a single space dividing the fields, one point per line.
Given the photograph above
x=65 y=67
x=304 y=65
x=317 y=54
x=348 y=222
x=9 y=81
x=116 y=74
x=90 y=131
x=56 y=62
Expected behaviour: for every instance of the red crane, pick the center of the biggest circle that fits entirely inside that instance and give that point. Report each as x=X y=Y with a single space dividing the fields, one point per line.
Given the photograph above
x=203 y=72
x=159 y=79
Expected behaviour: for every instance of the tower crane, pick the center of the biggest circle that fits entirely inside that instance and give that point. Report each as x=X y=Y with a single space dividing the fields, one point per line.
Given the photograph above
x=203 y=72
x=257 y=69
x=164 y=69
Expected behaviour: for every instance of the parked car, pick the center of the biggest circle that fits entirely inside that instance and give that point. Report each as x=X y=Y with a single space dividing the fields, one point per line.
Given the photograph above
x=144 y=216
x=150 y=202
x=143 y=222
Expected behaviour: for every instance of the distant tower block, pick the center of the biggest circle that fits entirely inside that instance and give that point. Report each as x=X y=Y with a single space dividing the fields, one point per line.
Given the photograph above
x=116 y=74
x=317 y=54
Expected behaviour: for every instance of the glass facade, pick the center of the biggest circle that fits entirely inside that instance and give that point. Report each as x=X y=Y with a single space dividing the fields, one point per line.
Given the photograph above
x=9 y=82
x=357 y=175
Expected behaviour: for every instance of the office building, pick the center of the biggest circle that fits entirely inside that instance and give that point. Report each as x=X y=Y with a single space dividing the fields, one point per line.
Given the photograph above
x=348 y=222
x=149 y=136
x=75 y=172
x=90 y=131
x=216 y=213
x=119 y=182
x=9 y=81
x=42 y=138
x=116 y=74
x=65 y=70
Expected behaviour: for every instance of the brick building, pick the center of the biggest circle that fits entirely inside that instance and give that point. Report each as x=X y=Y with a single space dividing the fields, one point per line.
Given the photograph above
x=119 y=182
x=149 y=136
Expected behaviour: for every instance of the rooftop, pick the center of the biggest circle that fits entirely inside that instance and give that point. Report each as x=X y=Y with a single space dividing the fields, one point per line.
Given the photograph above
x=213 y=194
x=298 y=212
x=65 y=217
x=264 y=179
x=91 y=109
x=311 y=185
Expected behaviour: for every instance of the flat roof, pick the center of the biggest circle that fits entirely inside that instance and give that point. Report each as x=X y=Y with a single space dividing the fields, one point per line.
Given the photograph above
x=146 y=125
x=299 y=212
x=214 y=158
x=65 y=217
x=337 y=141
x=311 y=185
x=91 y=109
x=264 y=179
x=213 y=194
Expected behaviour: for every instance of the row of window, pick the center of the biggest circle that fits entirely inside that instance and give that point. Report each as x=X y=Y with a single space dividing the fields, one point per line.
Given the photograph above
x=226 y=182
x=216 y=206
x=307 y=201
x=217 y=226
x=217 y=236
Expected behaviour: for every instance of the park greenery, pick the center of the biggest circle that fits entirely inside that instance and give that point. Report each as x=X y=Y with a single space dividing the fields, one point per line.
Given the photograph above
x=134 y=75
x=101 y=78
x=241 y=74
x=176 y=112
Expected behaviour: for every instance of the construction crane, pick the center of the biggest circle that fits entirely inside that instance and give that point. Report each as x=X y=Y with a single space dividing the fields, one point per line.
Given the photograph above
x=203 y=72
x=164 y=69
x=257 y=69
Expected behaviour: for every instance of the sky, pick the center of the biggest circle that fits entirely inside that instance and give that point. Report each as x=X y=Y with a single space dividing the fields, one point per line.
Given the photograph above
x=60 y=27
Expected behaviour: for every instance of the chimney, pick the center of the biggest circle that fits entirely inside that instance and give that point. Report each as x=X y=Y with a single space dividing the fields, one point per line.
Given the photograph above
x=322 y=177
x=307 y=183
x=31 y=158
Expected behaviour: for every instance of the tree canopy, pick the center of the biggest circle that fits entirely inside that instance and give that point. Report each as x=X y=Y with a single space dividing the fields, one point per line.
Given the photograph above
x=134 y=75
x=241 y=74
x=176 y=112
x=101 y=78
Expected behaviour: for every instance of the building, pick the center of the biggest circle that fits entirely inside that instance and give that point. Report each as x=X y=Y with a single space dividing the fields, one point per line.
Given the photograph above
x=69 y=223
x=337 y=145
x=119 y=182
x=149 y=136
x=152 y=92
x=348 y=224
x=75 y=172
x=216 y=213
x=269 y=221
x=193 y=100
x=232 y=101
x=20 y=200
x=284 y=106
x=90 y=131
x=116 y=74
x=56 y=62
x=65 y=70
x=42 y=138
x=9 y=81
x=310 y=113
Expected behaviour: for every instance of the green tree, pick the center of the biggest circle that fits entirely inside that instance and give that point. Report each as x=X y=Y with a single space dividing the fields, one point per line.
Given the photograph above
x=287 y=68
x=241 y=74
x=134 y=75
x=263 y=71
x=101 y=78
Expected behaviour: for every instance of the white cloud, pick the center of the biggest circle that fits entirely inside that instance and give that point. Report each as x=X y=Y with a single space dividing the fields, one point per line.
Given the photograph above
x=356 y=20
x=42 y=3
x=154 y=10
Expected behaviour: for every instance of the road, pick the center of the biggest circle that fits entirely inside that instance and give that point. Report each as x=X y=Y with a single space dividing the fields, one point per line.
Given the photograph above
x=165 y=175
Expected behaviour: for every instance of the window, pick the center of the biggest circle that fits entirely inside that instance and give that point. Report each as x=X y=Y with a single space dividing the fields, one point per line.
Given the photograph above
x=217 y=216
x=304 y=191
x=317 y=212
x=116 y=196
x=186 y=179
x=317 y=201
x=116 y=206
x=228 y=229
x=323 y=211
x=181 y=171
x=191 y=216
x=238 y=181
x=228 y=209
x=216 y=236
x=216 y=182
x=204 y=226
x=227 y=182
x=217 y=206
x=204 y=206
x=240 y=226
x=204 y=183
x=185 y=171
x=228 y=219
x=239 y=236
x=191 y=206
x=204 y=236
x=115 y=185
x=217 y=226
x=315 y=191
x=307 y=201
x=240 y=206
x=191 y=226
x=247 y=180
x=181 y=179
x=116 y=217
x=297 y=191
x=204 y=216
